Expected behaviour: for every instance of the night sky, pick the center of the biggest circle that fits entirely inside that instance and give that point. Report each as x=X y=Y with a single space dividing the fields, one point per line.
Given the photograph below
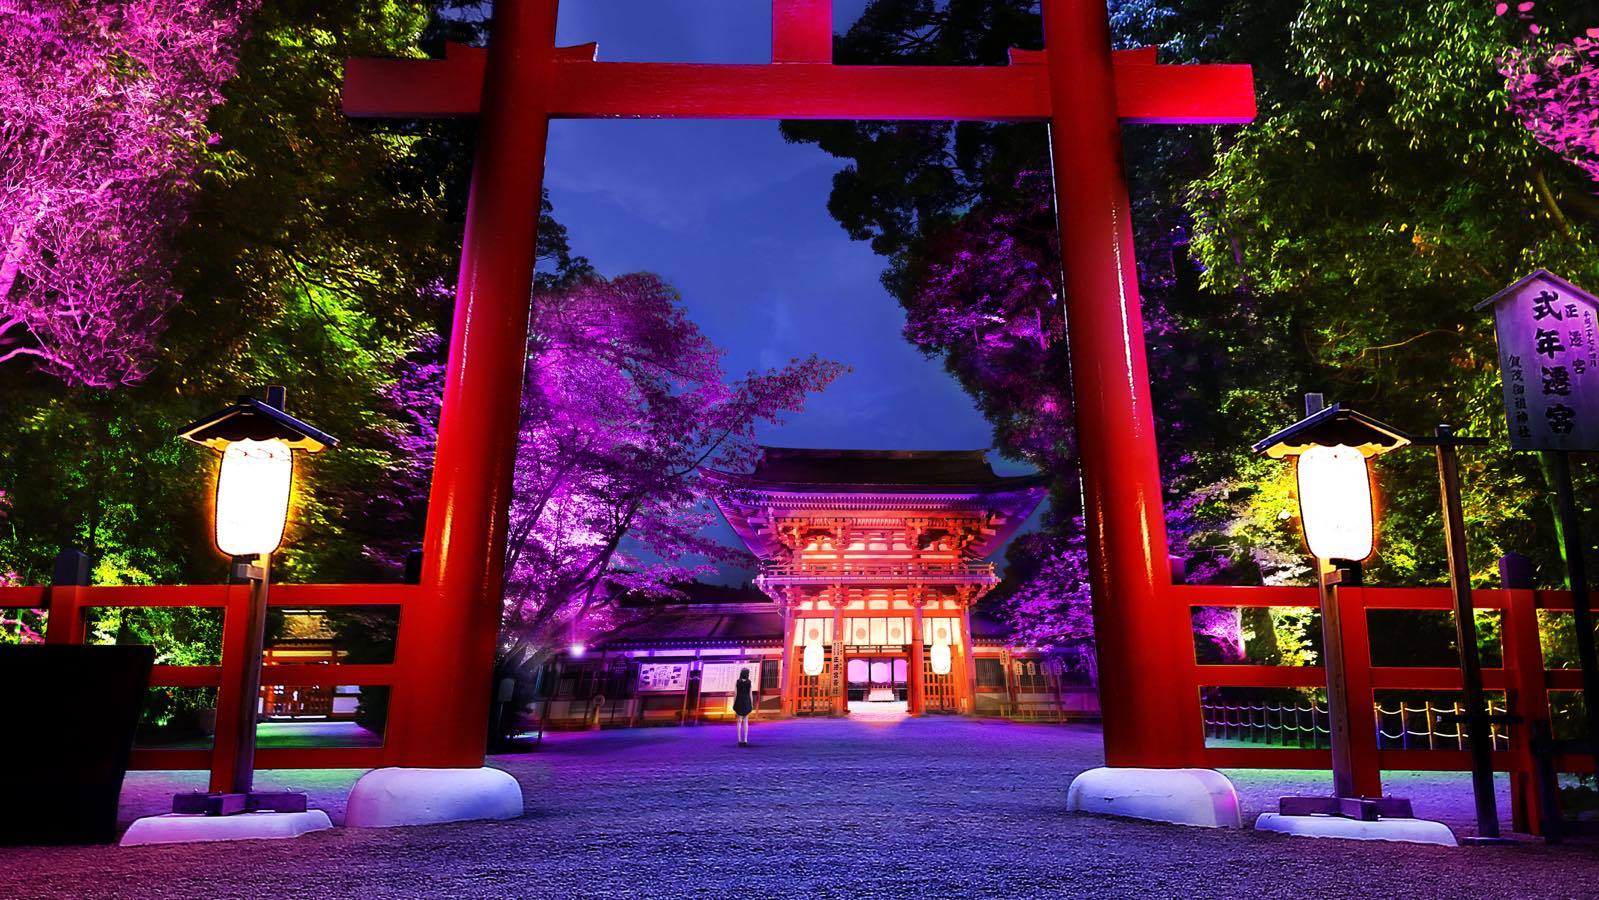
x=736 y=219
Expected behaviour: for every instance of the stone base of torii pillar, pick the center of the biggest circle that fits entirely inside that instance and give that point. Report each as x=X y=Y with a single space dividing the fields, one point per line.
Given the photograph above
x=185 y=828
x=385 y=798
x=1203 y=797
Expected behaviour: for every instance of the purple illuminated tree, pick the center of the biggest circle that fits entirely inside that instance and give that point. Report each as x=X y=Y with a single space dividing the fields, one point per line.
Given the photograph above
x=1051 y=608
x=1553 y=88
x=985 y=296
x=624 y=404
x=102 y=117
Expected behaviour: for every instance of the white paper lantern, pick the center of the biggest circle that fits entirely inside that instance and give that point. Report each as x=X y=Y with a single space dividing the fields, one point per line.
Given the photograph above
x=1335 y=505
x=253 y=496
x=813 y=659
x=941 y=659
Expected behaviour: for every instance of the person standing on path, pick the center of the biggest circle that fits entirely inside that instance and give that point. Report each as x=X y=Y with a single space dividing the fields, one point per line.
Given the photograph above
x=743 y=705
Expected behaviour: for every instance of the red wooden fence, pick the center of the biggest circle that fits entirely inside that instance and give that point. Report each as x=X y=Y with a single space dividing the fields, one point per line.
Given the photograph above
x=1522 y=677
x=65 y=625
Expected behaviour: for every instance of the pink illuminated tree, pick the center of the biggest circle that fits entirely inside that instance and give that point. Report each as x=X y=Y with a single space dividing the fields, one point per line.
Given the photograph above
x=102 y=122
x=986 y=298
x=1553 y=88
x=1051 y=608
x=624 y=406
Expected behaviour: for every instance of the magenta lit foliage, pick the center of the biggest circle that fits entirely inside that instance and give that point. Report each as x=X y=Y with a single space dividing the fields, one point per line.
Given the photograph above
x=624 y=405
x=102 y=117
x=1052 y=610
x=1553 y=88
x=17 y=626
x=989 y=302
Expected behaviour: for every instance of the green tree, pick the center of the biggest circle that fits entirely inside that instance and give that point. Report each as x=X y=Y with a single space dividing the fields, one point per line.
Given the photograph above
x=1381 y=194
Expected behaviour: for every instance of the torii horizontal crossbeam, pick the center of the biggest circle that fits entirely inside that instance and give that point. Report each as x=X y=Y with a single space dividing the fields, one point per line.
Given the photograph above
x=581 y=87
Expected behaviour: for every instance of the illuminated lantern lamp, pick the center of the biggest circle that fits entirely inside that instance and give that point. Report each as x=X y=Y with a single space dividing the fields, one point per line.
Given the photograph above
x=1332 y=445
x=941 y=658
x=813 y=659
x=256 y=440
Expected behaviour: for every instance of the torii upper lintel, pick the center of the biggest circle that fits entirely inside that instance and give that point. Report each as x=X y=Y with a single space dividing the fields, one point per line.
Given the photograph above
x=583 y=87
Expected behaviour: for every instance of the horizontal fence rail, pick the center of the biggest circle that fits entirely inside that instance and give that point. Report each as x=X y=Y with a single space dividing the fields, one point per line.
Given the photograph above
x=66 y=606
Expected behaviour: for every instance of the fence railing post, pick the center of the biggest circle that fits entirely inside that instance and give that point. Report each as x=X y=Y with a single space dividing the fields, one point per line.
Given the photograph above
x=230 y=706
x=1526 y=688
x=68 y=578
x=1362 y=698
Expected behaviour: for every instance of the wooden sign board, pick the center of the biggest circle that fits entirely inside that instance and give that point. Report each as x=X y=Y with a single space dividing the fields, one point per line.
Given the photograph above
x=1548 y=362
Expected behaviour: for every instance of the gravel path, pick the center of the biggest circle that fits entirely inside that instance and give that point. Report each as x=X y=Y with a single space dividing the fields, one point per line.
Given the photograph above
x=926 y=807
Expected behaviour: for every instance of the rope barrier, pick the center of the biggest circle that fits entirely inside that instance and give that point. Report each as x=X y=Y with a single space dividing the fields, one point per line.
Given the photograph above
x=1302 y=725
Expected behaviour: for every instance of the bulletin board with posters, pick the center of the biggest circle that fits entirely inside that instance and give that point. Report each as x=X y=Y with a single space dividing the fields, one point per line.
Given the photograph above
x=663 y=677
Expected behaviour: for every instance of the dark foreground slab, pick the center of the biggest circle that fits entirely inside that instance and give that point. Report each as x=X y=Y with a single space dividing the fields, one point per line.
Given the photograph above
x=935 y=807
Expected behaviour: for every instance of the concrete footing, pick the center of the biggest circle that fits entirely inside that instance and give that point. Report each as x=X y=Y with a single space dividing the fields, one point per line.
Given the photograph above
x=385 y=798
x=1414 y=831
x=183 y=828
x=1202 y=797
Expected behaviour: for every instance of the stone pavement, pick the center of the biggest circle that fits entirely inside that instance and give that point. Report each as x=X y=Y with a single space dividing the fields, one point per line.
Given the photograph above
x=926 y=807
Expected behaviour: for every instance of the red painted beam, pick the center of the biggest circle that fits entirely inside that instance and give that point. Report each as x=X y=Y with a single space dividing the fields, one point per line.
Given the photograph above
x=304 y=675
x=145 y=759
x=185 y=676
x=1260 y=676
x=583 y=88
x=30 y=597
x=802 y=31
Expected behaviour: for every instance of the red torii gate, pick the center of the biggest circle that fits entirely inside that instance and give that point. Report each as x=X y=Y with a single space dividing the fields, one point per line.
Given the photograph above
x=1077 y=84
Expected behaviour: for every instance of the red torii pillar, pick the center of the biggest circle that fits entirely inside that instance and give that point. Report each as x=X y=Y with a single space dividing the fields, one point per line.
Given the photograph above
x=1077 y=84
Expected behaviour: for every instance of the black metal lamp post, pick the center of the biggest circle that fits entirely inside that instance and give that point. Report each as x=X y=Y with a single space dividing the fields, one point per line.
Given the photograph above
x=1331 y=445
x=256 y=440
x=1477 y=720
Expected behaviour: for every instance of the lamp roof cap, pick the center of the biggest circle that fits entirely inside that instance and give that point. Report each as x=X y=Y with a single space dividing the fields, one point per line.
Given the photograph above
x=256 y=420
x=1330 y=427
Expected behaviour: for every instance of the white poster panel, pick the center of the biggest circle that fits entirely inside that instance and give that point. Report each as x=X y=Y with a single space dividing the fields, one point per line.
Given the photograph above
x=720 y=677
x=1548 y=363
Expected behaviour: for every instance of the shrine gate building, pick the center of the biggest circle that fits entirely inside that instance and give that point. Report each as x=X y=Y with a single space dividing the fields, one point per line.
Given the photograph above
x=871 y=563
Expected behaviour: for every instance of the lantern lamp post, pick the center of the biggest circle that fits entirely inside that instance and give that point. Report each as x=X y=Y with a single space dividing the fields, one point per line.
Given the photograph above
x=1332 y=445
x=257 y=440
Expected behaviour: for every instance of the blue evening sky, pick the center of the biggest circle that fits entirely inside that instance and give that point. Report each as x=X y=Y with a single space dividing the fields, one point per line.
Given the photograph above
x=736 y=219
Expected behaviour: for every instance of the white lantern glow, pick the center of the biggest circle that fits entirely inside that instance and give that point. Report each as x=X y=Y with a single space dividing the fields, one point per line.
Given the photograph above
x=1335 y=505
x=941 y=658
x=253 y=496
x=813 y=660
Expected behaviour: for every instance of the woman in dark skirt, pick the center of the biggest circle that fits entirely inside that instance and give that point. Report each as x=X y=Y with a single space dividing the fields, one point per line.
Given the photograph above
x=743 y=705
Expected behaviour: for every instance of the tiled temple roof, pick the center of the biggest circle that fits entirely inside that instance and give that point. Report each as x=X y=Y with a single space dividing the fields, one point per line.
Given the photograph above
x=700 y=625
x=855 y=483
x=965 y=470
